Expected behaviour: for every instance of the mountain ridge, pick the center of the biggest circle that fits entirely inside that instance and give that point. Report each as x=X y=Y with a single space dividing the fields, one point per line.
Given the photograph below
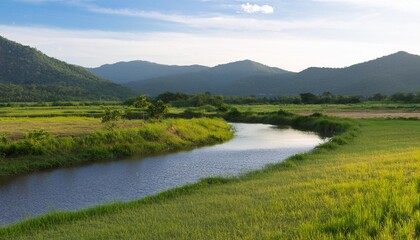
x=138 y=70
x=27 y=74
x=397 y=72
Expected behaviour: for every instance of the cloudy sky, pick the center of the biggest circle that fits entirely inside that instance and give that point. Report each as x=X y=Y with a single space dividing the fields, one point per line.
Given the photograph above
x=290 y=34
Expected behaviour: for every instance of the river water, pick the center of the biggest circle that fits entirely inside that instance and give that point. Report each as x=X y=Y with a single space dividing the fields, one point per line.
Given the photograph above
x=253 y=146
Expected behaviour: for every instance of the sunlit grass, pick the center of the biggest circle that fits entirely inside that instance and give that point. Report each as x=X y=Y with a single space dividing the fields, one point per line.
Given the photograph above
x=325 y=108
x=366 y=189
x=40 y=150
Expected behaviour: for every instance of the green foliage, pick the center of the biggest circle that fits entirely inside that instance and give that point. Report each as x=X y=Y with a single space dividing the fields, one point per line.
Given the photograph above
x=111 y=117
x=27 y=75
x=37 y=135
x=324 y=125
x=158 y=109
x=3 y=138
x=142 y=104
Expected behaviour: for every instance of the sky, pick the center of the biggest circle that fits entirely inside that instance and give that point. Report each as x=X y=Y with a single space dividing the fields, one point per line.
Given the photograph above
x=290 y=34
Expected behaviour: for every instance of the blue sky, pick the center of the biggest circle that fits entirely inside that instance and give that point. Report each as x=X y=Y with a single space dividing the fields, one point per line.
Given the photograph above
x=291 y=34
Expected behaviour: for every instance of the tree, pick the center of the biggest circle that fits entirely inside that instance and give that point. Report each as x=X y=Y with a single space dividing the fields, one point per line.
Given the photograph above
x=142 y=104
x=308 y=98
x=110 y=118
x=158 y=110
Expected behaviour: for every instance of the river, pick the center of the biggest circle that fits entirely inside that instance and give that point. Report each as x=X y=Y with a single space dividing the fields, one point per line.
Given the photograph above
x=73 y=188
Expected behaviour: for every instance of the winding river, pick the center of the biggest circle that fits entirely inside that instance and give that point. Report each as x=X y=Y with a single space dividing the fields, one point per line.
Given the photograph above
x=253 y=146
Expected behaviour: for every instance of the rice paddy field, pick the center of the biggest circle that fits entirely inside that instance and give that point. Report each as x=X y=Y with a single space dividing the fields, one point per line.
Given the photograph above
x=367 y=187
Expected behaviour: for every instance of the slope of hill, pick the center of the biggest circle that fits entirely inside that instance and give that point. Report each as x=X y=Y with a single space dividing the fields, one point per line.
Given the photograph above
x=398 y=72
x=26 y=74
x=214 y=80
x=124 y=72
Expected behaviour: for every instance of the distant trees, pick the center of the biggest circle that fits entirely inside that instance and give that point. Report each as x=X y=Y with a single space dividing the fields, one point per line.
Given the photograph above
x=158 y=109
x=167 y=97
x=397 y=97
x=110 y=118
x=328 y=98
x=219 y=102
x=142 y=104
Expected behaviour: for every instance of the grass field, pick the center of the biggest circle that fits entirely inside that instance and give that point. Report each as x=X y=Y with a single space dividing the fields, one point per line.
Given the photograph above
x=98 y=110
x=368 y=188
x=17 y=127
x=360 y=110
x=61 y=141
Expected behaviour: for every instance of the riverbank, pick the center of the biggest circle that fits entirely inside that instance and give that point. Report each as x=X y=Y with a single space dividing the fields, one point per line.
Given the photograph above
x=40 y=150
x=361 y=187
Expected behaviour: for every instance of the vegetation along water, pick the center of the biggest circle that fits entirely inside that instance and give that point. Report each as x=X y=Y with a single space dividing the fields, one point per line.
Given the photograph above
x=364 y=183
x=38 y=149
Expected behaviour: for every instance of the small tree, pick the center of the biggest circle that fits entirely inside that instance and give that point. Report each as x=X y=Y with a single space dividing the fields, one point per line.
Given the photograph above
x=110 y=118
x=158 y=110
x=142 y=104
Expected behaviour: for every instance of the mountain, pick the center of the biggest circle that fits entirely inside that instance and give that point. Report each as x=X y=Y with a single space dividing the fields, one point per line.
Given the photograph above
x=398 y=72
x=213 y=80
x=27 y=74
x=124 y=72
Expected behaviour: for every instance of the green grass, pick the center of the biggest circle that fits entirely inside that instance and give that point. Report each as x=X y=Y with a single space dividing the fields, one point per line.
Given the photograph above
x=23 y=110
x=365 y=187
x=358 y=107
x=16 y=127
x=40 y=150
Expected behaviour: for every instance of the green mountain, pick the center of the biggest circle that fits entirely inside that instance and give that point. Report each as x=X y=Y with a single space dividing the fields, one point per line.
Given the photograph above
x=26 y=74
x=214 y=80
x=124 y=72
x=399 y=72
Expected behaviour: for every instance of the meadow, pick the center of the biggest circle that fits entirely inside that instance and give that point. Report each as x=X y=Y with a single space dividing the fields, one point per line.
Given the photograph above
x=86 y=110
x=29 y=144
x=363 y=184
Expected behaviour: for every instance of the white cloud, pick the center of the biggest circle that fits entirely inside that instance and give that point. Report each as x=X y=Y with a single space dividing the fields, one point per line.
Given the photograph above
x=94 y=48
x=265 y=9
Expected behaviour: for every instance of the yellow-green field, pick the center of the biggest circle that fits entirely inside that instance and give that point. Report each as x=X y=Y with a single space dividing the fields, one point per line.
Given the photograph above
x=62 y=141
x=366 y=189
x=360 y=110
x=98 y=110
x=16 y=127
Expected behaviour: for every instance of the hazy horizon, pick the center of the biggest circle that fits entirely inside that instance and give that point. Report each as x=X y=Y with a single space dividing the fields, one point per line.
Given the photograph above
x=292 y=35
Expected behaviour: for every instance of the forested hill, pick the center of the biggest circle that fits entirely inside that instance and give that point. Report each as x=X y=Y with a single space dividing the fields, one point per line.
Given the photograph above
x=398 y=72
x=27 y=74
x=218 y=79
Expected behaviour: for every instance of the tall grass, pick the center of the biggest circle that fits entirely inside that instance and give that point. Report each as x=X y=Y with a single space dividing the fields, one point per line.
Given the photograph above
x=39 y=150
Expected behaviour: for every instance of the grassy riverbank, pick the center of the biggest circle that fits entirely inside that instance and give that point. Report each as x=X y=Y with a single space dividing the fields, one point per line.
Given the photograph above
x=41 y=150
x=366 y=188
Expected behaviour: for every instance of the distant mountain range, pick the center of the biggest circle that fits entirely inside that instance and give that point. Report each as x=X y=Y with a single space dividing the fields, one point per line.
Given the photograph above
x=399 y=72
x=26 y=74
x=214 y=80
x=124 y=72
